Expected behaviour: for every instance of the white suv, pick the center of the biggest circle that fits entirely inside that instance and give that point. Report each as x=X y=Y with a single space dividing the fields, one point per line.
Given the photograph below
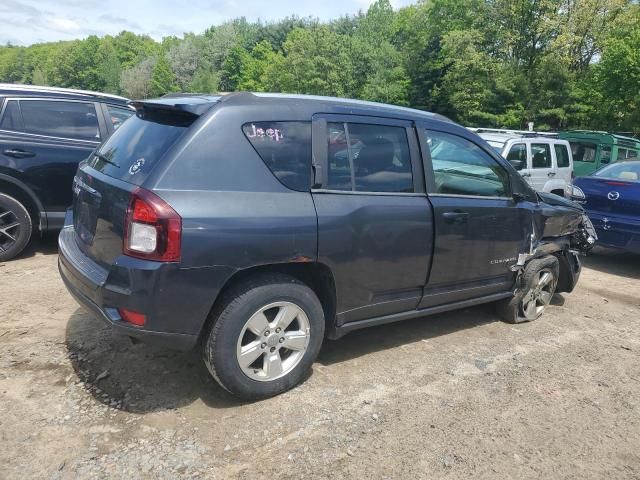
x=543 y=160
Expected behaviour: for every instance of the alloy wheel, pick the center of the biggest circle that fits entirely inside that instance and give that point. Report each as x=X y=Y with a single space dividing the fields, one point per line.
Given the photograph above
x=9 y=228
x=273 y=341
x=539 y=296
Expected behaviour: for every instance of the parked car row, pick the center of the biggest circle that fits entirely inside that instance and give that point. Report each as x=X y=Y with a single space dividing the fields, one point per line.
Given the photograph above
x=606 y=165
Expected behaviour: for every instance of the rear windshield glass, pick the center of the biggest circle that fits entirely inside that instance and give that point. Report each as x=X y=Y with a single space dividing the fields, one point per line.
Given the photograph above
x=132 y=151
x=286 y=149
x=622 y=171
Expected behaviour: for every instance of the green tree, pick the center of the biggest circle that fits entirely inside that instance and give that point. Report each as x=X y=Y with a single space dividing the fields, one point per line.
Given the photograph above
x=558 y=63
x=109 y=69
x=205 y=81
x=184 y=58
x=163 y=80
x=314 y=61
x=246 y=71
x=617 y=82
x=135 y=82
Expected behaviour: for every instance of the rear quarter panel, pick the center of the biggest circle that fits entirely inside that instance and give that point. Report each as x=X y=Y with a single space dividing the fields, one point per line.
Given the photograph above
x=236 y=214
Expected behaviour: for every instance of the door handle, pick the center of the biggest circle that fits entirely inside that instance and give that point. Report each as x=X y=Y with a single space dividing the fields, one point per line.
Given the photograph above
x=551 y=174
x=17 y=153
x=525 y=175
x=455 y=217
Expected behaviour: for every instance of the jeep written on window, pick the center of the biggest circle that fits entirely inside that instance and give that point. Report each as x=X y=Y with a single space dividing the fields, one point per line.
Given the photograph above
x=254 y=226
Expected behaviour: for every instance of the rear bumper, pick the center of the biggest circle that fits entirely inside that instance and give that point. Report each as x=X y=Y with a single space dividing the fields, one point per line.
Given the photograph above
x=176 y=301
x=177 y=341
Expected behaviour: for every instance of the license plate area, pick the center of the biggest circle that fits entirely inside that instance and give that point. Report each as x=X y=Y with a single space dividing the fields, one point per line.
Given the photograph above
x=86 y=207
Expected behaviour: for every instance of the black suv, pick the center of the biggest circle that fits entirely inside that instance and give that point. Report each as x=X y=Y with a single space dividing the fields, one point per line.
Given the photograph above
x=44 y=133
x=256 y=225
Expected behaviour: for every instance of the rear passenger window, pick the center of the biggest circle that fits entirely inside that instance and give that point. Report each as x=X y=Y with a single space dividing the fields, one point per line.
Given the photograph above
x=285 y=147
x=540 y=155
x=624 y=154
x=460 y=167
x=583 y=152
x=11 y=119
x=562 y=155
x=368 y=158
x=60 y=119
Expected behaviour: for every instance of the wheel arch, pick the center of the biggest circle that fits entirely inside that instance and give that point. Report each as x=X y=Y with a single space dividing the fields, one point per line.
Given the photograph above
x=315 y=275
x=554 y=185
x=22 y=193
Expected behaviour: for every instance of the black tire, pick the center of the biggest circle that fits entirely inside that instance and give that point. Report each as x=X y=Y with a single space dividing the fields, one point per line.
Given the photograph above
x=13 y=239
x=228 y=320
x=511 y=310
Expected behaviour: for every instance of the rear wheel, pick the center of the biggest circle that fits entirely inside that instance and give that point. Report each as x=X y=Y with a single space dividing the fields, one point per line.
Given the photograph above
x=538 y=284
x=15 y=227
x=266 y=333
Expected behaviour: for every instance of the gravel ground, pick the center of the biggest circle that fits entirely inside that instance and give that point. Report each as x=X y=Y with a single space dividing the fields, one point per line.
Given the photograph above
x=453 y=395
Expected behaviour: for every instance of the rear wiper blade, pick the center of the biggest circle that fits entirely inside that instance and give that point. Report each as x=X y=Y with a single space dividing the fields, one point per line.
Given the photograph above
x=105 y=159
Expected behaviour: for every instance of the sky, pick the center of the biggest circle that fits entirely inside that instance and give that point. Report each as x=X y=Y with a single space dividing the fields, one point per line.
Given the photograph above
x=24 y=22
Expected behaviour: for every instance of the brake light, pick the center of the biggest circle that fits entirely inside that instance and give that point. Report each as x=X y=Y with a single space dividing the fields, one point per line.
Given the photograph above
x=617 y=184
x=153 y=229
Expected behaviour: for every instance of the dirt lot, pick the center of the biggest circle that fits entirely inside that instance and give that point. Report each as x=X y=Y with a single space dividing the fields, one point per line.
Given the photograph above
x=454 y=395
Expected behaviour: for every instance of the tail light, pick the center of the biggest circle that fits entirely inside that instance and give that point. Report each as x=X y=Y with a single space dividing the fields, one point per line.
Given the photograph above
x=613 y=183
x=153 y=229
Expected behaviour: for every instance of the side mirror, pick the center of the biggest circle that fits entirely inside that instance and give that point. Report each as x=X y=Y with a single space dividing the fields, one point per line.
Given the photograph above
x=517 y=164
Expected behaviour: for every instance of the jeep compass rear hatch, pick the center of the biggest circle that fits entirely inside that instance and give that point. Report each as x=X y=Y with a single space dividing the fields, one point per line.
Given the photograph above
x=105 y=184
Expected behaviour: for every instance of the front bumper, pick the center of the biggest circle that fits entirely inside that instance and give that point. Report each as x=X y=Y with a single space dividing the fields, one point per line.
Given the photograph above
x=570 y=270
x=176 y=301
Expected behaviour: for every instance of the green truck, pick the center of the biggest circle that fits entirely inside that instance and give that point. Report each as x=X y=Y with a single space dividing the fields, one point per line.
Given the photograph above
x=592 y=150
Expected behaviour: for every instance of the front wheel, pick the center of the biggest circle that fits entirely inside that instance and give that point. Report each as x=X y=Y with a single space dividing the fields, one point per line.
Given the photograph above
x=537 y=286
x=265 y=335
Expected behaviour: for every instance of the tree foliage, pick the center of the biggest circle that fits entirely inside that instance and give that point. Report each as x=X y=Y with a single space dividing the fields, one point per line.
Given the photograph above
x=558 y=63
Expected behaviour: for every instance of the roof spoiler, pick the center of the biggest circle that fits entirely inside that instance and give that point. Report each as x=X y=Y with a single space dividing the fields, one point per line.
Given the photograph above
x=189 y=105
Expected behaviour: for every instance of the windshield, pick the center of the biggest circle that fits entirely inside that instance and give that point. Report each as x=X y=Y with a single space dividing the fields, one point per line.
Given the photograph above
x=132 y=151
x=621 y=171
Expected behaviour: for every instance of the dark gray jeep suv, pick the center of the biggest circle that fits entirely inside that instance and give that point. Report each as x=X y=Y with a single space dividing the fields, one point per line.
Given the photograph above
x=256 y=225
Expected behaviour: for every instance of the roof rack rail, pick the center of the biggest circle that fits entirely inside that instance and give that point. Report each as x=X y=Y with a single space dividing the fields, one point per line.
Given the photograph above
x=523 y=133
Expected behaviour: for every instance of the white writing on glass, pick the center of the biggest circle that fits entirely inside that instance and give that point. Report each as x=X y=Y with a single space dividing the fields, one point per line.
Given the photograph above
x=272 y=133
